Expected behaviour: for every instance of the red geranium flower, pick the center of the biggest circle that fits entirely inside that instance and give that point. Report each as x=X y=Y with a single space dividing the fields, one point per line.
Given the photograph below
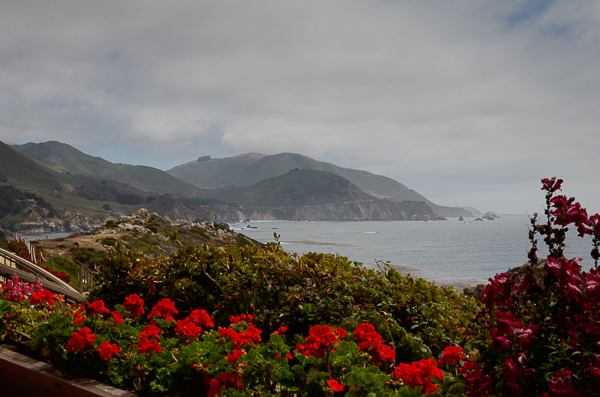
x=419 y=373
x=165 y=308
x=134 y=305
x=148 y=346
x=202 y=318
x=80 y=340
x=43 y=296
x=117 y=317
x=97 y=307
x=335 y=386
x=106 y=350
x=233 y=358
x=149 y=331
x=452 y=354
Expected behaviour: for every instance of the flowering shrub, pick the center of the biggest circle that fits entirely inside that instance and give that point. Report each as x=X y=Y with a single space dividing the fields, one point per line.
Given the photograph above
x=159 y=355
x=543 y=320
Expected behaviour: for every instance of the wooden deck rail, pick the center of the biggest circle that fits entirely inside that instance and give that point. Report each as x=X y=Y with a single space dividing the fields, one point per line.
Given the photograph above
x=13 y=265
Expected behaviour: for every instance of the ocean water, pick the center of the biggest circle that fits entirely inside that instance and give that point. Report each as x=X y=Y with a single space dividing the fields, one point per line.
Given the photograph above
x=447 y=252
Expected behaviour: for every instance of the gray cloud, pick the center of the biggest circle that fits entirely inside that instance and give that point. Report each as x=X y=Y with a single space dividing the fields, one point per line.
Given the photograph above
x=469 y=103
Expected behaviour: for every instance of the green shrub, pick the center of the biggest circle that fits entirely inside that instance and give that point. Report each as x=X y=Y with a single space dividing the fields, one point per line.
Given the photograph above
x=279 y=288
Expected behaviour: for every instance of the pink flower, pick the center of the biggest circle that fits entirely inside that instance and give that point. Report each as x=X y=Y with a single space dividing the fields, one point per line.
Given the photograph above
x=552 y=184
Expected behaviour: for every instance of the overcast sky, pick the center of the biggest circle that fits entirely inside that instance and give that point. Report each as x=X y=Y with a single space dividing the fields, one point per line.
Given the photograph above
x=467 y=102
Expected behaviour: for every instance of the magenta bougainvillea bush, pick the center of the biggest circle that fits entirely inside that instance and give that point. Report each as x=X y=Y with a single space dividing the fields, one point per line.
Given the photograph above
x=543 y=321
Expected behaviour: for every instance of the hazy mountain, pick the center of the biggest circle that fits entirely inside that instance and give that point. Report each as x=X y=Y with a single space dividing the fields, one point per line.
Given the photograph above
x=294 y=188
x=250 y=168
x=69 y=160
x=316 y=195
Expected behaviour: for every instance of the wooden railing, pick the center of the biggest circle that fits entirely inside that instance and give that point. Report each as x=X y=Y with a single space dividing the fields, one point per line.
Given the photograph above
x=13 y=265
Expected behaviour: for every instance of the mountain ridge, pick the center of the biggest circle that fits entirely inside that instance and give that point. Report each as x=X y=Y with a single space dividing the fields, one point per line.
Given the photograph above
x=249 y=168
x=69 y=160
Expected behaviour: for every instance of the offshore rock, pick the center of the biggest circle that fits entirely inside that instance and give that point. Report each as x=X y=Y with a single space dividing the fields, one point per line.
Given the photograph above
x=474 y=291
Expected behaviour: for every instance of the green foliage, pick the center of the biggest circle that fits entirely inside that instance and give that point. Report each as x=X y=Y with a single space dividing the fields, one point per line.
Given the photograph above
x=278 y=288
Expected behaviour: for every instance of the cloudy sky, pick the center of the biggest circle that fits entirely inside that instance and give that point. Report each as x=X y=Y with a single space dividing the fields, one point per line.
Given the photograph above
x=467 y=102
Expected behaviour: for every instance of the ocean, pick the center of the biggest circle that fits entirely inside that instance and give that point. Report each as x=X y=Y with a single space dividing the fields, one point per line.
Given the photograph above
x=450 y=252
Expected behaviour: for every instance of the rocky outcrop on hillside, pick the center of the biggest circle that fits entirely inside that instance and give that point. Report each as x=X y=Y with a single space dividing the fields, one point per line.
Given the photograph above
x=145 y=232
x=69 y=222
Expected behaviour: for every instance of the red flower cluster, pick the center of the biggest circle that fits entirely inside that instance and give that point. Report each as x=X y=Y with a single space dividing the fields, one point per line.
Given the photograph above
x=319 y=342
x=19 y=248
x=187 y=327
x=201 y=318
x=281 y=330
x=241 y=338
x=233 y=358
x=106 y=350
x=96 y=307
x=148 y=346
x=165 y=308
x=80 y=340
x=150 y=331
x=43 y=296
x=370 y=341
x=191 y=326
x=62 y=275
x=225 y=380
x=452 y=354
x=242 y=317
x=134 y=305
x=419 y=373
x=117 y=317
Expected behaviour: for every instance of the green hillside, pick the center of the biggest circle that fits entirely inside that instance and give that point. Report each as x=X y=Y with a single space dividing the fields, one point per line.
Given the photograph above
x=64 y=158
x=24 y=173
x=295 y=188
x=67 y=159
